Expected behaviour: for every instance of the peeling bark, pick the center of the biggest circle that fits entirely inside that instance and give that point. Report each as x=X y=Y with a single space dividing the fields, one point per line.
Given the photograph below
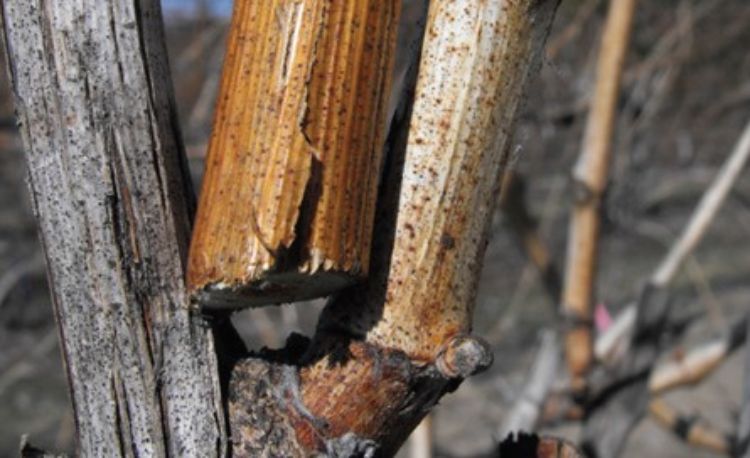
x=384 y=353
x=288 y=199
x=113 y=200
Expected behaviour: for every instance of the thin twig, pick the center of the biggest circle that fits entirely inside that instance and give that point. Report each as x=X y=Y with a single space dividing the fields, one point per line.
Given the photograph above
x=611 y=344
x=733 y=98
x=525 y=413
x=617 y=408
x=689 y=428
x=572 y=30
x=590 y=176
x=664 y=48
x=705 y=212
x=699 y=362
x=695 y=230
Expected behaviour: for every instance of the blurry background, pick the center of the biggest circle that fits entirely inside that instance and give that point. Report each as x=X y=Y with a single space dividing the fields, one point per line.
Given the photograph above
x=685 y=99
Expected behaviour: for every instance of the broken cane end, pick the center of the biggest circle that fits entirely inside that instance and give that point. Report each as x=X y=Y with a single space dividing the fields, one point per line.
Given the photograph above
x=288 y=198
x=271 y=288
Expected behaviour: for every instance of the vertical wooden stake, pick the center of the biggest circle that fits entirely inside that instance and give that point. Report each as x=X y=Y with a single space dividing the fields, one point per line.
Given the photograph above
x=112 y=196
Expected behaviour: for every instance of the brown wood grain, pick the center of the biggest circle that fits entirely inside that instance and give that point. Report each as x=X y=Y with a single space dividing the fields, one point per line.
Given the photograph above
x=288 y=200
x=384 y=353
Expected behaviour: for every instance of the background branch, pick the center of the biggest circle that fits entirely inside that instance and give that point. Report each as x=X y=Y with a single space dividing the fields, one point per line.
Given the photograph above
x=616 y=409
x=525 y=413
x=590 y=180
x=743 y=425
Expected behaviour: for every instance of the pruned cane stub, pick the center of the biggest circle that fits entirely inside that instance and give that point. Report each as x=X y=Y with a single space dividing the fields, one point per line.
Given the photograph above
x=288 y=200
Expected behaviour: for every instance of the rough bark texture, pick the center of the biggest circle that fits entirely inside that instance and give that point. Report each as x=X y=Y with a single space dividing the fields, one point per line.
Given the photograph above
x=590 y=180
x=384 y=353
x=288 y=200
x=113 y=200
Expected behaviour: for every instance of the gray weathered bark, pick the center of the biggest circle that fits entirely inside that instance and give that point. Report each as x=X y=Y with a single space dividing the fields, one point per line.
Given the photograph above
x=114 y=203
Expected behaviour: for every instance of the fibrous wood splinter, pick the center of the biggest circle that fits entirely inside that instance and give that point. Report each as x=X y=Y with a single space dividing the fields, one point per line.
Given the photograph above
x=287 y=204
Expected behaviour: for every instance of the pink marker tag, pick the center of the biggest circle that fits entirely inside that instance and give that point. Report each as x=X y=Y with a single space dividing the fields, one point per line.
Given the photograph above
x=602 y=318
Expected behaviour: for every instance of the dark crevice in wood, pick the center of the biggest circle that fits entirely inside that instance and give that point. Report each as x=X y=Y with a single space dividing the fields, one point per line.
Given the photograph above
x=294 y=254
x=121 y=421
